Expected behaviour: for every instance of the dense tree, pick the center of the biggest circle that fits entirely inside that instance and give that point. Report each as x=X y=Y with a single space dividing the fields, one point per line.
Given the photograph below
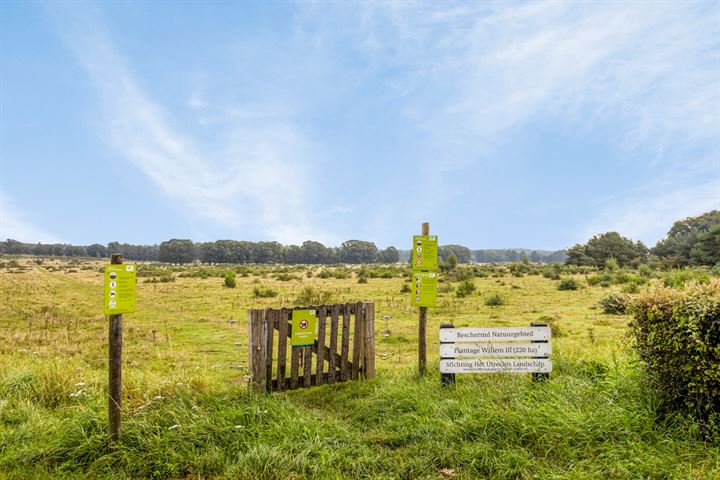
x=607 y=245
x=706 y=250
x=462 y=254
x=389 y=255
x=293 y=254
x=358 y=251
x=268 y=252
x=177 y=251
x=676 y=249
x=96 y=251
x=316 y=253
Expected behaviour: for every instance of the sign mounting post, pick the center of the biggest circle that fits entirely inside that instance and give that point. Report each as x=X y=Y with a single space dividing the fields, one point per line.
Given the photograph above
x=422 y=327
x=119 y=298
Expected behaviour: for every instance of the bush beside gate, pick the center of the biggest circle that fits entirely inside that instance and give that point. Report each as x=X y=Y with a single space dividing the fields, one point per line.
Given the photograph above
x=677 y=335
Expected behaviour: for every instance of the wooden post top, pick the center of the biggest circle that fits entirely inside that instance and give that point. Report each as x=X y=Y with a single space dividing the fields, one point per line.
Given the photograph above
x=116 y=259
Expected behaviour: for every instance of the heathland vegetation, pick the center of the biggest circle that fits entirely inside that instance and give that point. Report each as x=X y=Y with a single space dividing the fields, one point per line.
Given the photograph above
x=634 y=393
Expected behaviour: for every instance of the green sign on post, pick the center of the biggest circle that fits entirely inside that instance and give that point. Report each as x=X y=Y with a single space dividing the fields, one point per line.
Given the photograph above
x=425 y=252
x=424 y=289
x=303 y=327
x=120 y=287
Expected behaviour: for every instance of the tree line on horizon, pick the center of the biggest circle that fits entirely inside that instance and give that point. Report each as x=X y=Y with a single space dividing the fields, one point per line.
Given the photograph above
x=184 y=251
x=692 y=241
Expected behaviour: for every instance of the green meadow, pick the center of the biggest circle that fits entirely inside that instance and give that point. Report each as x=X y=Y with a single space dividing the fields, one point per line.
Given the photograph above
x=188 y=411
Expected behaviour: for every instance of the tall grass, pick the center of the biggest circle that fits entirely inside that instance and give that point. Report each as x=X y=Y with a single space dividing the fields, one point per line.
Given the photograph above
x=587 y=421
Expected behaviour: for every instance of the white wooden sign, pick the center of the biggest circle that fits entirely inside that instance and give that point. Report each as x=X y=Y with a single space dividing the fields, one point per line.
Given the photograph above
x=459 y=350
x=494 y=334
x=451 y=365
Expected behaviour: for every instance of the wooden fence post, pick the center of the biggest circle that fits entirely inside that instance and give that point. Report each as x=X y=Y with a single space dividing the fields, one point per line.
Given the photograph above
x=115 y=368
x=257 y=331
x=422 y=328
x=369 y=340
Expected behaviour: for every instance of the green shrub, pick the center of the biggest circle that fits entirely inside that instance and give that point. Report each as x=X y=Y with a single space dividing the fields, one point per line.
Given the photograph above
x=568 y=284
x=310 y=295
x=645 y=271
x=613 y=303
x=362 y=279
x=677 y=336
x=679 y=277
x=611 y=265
x=631 y=288
x=495 y=300
x=466 y=287
x=264 y=292
x=230 y=279
x=165 y=277
x=405 y=288
x=604 y=280
x=286 y=277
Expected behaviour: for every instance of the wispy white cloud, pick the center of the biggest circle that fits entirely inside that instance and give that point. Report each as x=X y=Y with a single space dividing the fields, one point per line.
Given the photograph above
x=645 y=73
x=14 y=224
x=255 y=179
x=481 y=69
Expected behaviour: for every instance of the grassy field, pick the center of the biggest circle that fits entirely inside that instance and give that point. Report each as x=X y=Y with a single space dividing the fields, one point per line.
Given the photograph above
x=188 y=413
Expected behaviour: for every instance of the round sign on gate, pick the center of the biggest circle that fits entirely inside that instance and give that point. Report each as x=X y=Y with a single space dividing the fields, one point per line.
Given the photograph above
x=303 y=324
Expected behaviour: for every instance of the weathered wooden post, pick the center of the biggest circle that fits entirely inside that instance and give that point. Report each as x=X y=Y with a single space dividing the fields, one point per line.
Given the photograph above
x=369 y=340
x=422 y=327
x=257 y=344
x=115 y=368
x=446 y=378
x=537 y=376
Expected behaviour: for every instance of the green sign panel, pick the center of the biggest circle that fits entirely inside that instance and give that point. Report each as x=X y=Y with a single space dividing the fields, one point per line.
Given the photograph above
x=424 y=289
x=425 y=252
x=303 y=327
x=120 y=287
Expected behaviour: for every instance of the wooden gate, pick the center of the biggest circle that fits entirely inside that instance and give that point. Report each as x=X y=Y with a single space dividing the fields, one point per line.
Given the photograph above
x=346 y=346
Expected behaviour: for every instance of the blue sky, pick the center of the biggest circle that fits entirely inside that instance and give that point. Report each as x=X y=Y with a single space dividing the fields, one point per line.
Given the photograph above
x=504 y=124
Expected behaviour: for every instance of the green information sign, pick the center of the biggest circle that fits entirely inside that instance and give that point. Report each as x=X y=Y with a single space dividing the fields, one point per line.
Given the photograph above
x=303 y=327
x=120 y=287
x=425 y=252
x=424 y=289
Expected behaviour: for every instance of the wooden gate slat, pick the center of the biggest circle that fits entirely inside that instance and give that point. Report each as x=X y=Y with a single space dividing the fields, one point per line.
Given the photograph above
x=282 y=347
x=307 y=366
x=345 y=347
x=326 y=349
x=357 y=340
x=269 y=332
x=294 y=362
x=320 y=347
x=334 y=317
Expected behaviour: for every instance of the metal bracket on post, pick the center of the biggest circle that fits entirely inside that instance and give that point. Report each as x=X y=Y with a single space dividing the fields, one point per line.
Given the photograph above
x=446 y=379
x=539 y=377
